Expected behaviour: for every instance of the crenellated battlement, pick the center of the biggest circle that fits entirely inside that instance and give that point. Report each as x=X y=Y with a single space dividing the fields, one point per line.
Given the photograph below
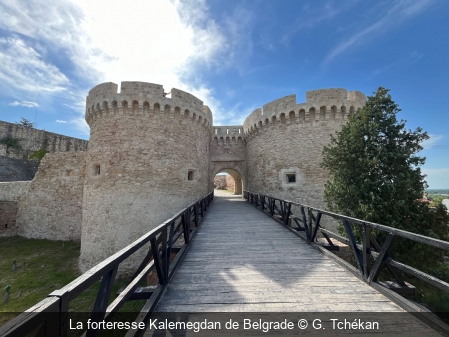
x=147 y=100
x=231 y=134
x=321 y=106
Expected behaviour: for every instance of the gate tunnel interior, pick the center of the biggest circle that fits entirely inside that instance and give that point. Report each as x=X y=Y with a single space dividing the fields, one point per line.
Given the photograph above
x=236 y=176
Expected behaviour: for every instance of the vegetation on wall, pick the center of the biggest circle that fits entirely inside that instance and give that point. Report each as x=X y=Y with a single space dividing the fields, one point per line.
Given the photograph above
x=26 y=122
x=11 y=142
x=38 y=155
x=374 y=166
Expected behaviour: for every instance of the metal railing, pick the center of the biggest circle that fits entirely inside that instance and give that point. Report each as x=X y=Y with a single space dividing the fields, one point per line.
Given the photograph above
x=50 y=317
x=366 y=251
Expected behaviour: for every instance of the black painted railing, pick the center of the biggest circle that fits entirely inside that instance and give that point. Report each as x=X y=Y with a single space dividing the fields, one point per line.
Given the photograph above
x=307 y=222
x=50 y=317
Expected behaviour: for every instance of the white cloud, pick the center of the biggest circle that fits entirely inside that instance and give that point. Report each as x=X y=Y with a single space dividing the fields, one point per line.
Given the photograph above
x=24 y=103
x=432 y=141
x=24 y=69
x=61 y=121
x=67 y=47
x=81 y=125
x=397 y=12
x=57 y=28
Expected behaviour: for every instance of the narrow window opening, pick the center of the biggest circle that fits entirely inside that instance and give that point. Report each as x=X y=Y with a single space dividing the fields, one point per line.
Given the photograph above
x=239 y=131
x=227 y=131
x=97 y=170
x=291 y=178
x=190 y=175
x=6 y=225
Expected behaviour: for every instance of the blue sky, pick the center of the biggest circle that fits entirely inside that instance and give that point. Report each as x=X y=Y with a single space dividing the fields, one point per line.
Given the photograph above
x=234 y=55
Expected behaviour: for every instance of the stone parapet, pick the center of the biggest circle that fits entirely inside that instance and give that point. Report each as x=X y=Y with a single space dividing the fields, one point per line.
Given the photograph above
x=145 y=100
x=31 y=140
x=330 y=106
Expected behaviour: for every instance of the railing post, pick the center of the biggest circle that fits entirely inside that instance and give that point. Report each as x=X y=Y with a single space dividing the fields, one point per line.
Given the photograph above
x=287 y=211
x=195 y=210
x=160 y=264
x=63 y=323
x=102 y=300
x=201 y=208
x=353 y=245
x=169 y=247
x=304 y=220
x=366 y=253
x=317 y=226
x=186 y=225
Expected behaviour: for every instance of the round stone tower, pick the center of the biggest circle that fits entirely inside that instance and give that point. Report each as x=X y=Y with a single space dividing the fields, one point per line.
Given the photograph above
x=285 y=140
x=147 y=159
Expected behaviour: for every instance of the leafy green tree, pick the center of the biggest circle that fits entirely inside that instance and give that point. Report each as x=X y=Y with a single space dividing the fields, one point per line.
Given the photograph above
x=26 y=122
x=374 y=167
x=11 y=142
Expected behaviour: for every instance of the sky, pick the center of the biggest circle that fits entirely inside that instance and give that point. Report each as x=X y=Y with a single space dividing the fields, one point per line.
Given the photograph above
x=233 y=55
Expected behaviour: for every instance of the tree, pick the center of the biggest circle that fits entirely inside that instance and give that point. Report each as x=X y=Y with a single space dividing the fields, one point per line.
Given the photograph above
x=375 y=176
x=374 y=168
x=26 y=122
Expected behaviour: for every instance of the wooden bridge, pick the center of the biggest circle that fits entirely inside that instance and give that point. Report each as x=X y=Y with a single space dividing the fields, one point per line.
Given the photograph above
x=242 y=260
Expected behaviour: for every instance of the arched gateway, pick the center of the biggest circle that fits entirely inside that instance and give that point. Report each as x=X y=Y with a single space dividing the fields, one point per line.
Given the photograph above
x=228 y=154
x=238 y=179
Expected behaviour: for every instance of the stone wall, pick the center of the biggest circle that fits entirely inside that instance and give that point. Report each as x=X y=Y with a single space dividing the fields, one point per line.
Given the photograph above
x=287 y=140
x=148 y=158
x=230 y=183
x=220 y=181
x=12 y=169
x=32 y=140
x=52 y=207
x=13 y=191
x=8 y=211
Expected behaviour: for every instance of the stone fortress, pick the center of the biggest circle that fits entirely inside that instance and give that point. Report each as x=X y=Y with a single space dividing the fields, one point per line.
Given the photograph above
x=150 y=155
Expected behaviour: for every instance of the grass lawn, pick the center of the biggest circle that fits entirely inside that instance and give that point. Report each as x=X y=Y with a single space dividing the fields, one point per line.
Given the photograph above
x=43 y=266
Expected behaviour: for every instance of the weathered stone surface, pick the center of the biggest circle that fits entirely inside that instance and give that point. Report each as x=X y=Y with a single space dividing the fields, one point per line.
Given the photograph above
x=13 y=191
x=8 y=211
x=288 y=139
x=12 y=169
x=142 y=147
x=230 y=183
x=220 y=181
x=51 y=207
